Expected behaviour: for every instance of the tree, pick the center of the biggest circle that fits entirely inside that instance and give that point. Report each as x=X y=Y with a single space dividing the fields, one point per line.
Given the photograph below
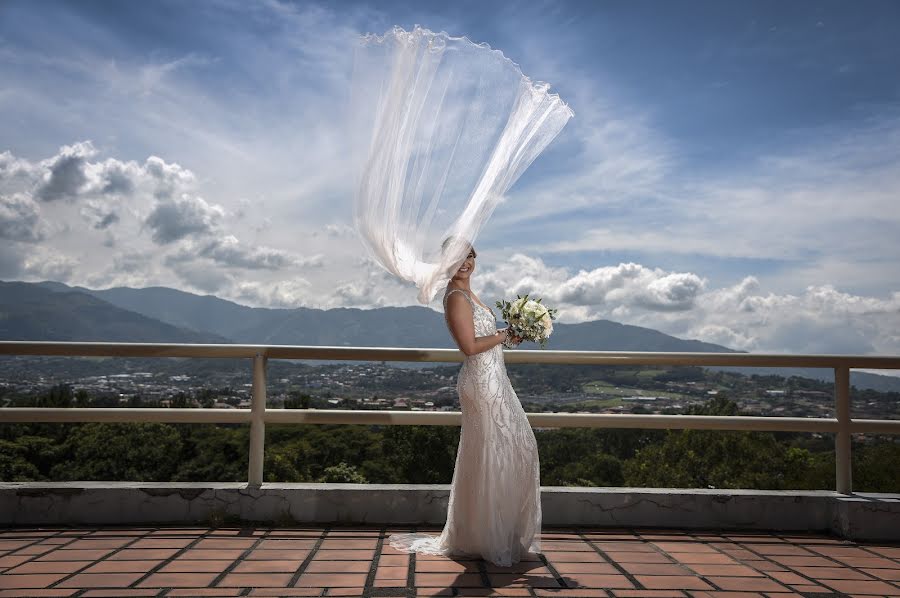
x=14 y=463
x=598 y=469
x=721 y=405
x=342 y=473
x=875 y=467
x=82 y=399
x=213 y=453
x=120 y=451
x=297 y=400
x=587 y=456
x=206 y=397
x=421 y=454
x=688 y=373
x=282 y=465
x=714 y=459
x=59 y=396
x=180 y=401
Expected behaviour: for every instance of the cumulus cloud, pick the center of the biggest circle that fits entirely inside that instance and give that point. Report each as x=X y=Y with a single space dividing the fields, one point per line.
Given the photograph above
x=20 y=218
x=178 y=217
x=65 y=177
x=48 y=264
x=199 y=276
x=370 y=286
x=130 y=261
x=335 y=230
x=127 y=268
x=821 y=319
x=229 y=252
x=119 y=200
x=118 y=178
x=14 y=171
x=295 y=292
x=101 y=188
x=101 y=214
x=608 y=287
x=168 y=177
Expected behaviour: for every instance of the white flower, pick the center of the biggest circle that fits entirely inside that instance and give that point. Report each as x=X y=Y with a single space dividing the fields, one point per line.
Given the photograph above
x=533 y=308
x=548 y=324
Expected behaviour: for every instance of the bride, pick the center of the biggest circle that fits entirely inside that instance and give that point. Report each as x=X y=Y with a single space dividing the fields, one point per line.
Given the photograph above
x=494 y=509
x=442 y=127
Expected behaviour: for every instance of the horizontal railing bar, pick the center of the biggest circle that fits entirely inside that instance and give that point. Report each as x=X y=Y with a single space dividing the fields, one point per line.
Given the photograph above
x=874 y=426
x=125 y=414
x=97 y=349
x=558 y=420
x=437 y=418
x=686 y=422
x=102 y=349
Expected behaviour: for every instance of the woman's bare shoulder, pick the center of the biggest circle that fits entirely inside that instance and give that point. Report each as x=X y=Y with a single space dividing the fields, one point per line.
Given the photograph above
x=456 y=301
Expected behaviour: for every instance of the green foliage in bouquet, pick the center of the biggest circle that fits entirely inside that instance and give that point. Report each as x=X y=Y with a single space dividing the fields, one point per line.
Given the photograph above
x=528 y=318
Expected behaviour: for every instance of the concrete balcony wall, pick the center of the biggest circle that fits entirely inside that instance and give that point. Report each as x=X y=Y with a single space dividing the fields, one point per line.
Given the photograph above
x=856 y=516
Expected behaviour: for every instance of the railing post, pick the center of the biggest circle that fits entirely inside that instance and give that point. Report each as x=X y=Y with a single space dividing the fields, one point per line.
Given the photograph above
x=257 y=420
x=843 y=463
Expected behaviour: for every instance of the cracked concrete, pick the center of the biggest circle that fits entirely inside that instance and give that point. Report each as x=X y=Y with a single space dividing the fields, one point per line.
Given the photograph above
x=856 y=516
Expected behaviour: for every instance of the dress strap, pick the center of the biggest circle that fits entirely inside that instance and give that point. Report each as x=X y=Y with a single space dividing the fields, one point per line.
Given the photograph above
x=447 y=294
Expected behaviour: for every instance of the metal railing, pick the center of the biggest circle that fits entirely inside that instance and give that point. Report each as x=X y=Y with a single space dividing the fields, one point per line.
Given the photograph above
x=258 y=415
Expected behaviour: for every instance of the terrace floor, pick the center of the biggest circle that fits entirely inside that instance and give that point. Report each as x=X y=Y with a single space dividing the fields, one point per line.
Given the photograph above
x=356 y=561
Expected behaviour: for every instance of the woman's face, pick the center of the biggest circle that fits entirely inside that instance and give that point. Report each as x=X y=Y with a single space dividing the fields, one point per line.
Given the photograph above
x=468 y=266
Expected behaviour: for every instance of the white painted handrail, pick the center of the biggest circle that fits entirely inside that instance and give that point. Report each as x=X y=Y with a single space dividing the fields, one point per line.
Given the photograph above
x=841 y=425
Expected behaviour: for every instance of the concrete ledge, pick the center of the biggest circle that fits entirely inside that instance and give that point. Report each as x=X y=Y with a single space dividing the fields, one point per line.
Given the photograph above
x=856 y=516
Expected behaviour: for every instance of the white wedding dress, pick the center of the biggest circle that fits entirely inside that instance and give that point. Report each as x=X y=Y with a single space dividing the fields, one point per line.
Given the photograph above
x=494 y=510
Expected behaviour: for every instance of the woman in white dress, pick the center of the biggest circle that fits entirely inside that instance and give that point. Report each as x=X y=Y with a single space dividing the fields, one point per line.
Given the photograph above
x=494 y=509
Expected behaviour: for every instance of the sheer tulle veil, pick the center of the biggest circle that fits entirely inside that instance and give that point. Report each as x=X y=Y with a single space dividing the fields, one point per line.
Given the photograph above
x=441 y=129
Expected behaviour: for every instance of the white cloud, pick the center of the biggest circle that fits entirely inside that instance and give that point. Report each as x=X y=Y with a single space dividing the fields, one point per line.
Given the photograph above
x=143 y=209
x=46 y=264
x=20 y=218
x=200 y=277
x=821 y=319
x=168 y=178
x=742 y=316
x=179 y=217
x=14 y=172
x=605 y=288
x=292 y=293
x=229 y=252
x=64 y=176
x=100 y=213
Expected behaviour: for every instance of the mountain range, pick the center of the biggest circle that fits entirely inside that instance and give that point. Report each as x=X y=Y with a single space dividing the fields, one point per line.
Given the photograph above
x=53 y=311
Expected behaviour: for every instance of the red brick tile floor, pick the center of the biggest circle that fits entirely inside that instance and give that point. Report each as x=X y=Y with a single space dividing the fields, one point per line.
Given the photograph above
x=356 y=561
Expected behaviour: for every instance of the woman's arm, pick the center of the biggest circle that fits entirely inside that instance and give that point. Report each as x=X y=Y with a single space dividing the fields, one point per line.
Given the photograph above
x=462 y=328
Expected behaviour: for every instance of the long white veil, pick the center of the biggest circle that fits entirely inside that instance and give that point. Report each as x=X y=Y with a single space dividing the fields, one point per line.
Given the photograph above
x=442 y=128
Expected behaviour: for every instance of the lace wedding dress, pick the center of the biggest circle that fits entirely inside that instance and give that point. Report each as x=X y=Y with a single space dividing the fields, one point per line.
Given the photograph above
x=494 y=509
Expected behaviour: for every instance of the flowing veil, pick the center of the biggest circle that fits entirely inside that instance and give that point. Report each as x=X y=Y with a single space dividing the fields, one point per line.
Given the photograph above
x=442 y=127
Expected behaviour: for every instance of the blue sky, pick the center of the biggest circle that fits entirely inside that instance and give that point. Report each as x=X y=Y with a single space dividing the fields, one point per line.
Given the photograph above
x=732 y=171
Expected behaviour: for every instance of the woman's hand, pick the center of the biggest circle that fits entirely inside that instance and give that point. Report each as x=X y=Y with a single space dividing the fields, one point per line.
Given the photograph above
x=510 y=340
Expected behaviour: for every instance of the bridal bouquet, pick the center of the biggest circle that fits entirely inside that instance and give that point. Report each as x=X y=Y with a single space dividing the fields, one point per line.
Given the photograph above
x=528 y=319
